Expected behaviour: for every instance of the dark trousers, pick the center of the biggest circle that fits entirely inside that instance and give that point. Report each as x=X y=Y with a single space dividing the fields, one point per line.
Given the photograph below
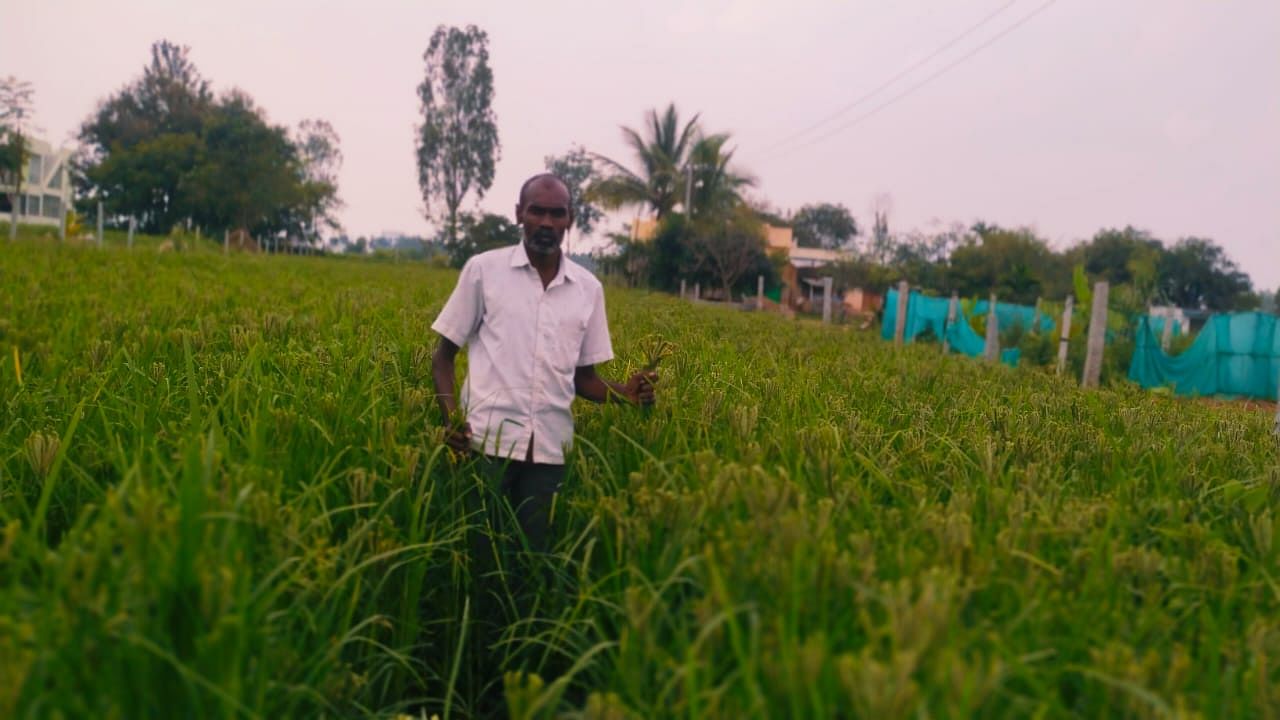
x=509 y=506
x=529 y=489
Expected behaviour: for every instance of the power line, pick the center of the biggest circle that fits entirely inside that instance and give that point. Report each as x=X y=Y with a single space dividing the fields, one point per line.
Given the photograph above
x=945 y=69
x=912 y=68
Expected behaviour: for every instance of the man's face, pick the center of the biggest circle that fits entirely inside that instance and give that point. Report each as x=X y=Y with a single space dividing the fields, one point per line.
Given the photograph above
x=544 y=216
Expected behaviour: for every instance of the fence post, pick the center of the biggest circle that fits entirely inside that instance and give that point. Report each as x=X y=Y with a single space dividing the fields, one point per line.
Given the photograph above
x=991 y=352
x=827 y=282
x=1097 y=336
x=681 y=288
x=1065 y=335
x=1276 y=428
x=1035 y=319
x=697 y=291
x=1166 y=334
x=62 y=225
x=226 y=242
x=99 y=223
x=900 y=320
x=952 y=307
x=133 y=224
x=759 y=292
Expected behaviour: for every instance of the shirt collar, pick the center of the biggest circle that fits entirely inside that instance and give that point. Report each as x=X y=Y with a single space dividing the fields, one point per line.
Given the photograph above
x=520 y=258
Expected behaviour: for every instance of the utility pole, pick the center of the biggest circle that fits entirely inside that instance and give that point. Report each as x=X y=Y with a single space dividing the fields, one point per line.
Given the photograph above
x=688 y=190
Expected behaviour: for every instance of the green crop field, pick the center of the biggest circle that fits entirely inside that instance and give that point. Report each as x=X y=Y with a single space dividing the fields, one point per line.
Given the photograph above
x=223 y=495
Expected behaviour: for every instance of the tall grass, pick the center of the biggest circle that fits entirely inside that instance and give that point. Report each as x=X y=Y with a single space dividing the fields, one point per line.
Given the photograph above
x=223 y=494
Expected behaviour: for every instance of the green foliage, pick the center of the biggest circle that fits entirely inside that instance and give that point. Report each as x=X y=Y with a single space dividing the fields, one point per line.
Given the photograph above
x=661 y=157
x=16 y=108
x=577 y=170
x=164 y=151
x=1083 y=289
x=728 y=245
x=1015 y=264
x=223 y=493
x=824 y=225
x=457 y=144
x=480 y=233
x=1196 y=273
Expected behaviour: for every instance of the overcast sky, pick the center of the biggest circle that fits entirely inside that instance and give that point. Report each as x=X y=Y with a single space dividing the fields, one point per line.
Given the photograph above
x=1162 y=114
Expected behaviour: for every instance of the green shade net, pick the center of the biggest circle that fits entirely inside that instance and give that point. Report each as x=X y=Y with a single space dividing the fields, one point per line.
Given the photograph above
x=1009 y=314
x=929 y=314
x=1236 y=354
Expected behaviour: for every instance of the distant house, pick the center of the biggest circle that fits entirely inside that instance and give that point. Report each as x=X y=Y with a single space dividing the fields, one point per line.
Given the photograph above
x=804 y=266
x=46 y=188
x=801 y=284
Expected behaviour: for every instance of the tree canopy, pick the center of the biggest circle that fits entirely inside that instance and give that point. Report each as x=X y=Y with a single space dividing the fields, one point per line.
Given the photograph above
x=824 y=225
x=658 y=183
x=165 y=151
x=577 y=170
x=457 y=143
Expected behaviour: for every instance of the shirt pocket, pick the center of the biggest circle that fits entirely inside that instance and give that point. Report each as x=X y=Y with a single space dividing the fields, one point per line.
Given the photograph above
x=570 y=330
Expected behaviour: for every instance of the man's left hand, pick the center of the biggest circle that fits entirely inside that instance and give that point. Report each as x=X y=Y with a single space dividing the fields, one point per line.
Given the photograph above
x=639 y=387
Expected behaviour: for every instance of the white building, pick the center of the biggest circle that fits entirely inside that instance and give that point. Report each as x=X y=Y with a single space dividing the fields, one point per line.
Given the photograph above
x=46 y=188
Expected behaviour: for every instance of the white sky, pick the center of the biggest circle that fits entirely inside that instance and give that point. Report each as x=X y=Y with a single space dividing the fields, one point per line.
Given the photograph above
x=1163 y=114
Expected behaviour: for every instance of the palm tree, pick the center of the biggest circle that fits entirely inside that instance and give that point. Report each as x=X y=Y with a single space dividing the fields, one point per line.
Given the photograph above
x=662 y=157
x=717 y=188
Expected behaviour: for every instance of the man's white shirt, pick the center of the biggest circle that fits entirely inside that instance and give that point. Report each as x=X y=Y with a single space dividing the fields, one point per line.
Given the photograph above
x=524 y=344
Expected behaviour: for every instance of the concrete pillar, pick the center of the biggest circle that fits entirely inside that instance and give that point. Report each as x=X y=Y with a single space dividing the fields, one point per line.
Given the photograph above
x=99 y=223
x=681 y=288
x=900 y=320
x=991 y=352
x=133 y=225
x=1276 y=427
x=953 y=308
x=226 y=242
x=1166 y=334
x=1064 y=336
x=697 y=291
x=1097 y=337
x=759 y=292
x=62 y=225
x=1035 y=319
x=826 y=299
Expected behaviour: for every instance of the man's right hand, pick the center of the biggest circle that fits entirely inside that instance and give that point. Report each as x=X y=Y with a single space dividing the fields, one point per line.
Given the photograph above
x=458 y=437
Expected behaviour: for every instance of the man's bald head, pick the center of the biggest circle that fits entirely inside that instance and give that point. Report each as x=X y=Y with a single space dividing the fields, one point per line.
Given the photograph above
x=544 y=177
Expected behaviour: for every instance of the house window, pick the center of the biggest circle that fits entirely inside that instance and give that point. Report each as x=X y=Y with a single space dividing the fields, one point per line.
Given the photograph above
x=34 y=170
x=33 y=205
x=55 y=179
x=52 y=206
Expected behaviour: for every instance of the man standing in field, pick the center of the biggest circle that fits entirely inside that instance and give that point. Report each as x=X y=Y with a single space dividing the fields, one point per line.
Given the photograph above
x=535 y=328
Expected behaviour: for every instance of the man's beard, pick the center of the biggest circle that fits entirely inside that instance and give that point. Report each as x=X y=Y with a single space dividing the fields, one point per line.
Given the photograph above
x=544 y=241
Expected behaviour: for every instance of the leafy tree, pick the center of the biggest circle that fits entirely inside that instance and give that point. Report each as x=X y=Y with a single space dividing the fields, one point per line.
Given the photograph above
x=141 y=143
x=1196 y=273
x=578 y=172
x=320 y=159
x=658 y=183
x=482 y=232
x=15 y=110
x=458 y=138
x=249 y=172
x=922 y=259
x=824 y=225
x=1012 y=263
x=717 y=188
x=728 y=246
x=164 y=151
x=1127 y=256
